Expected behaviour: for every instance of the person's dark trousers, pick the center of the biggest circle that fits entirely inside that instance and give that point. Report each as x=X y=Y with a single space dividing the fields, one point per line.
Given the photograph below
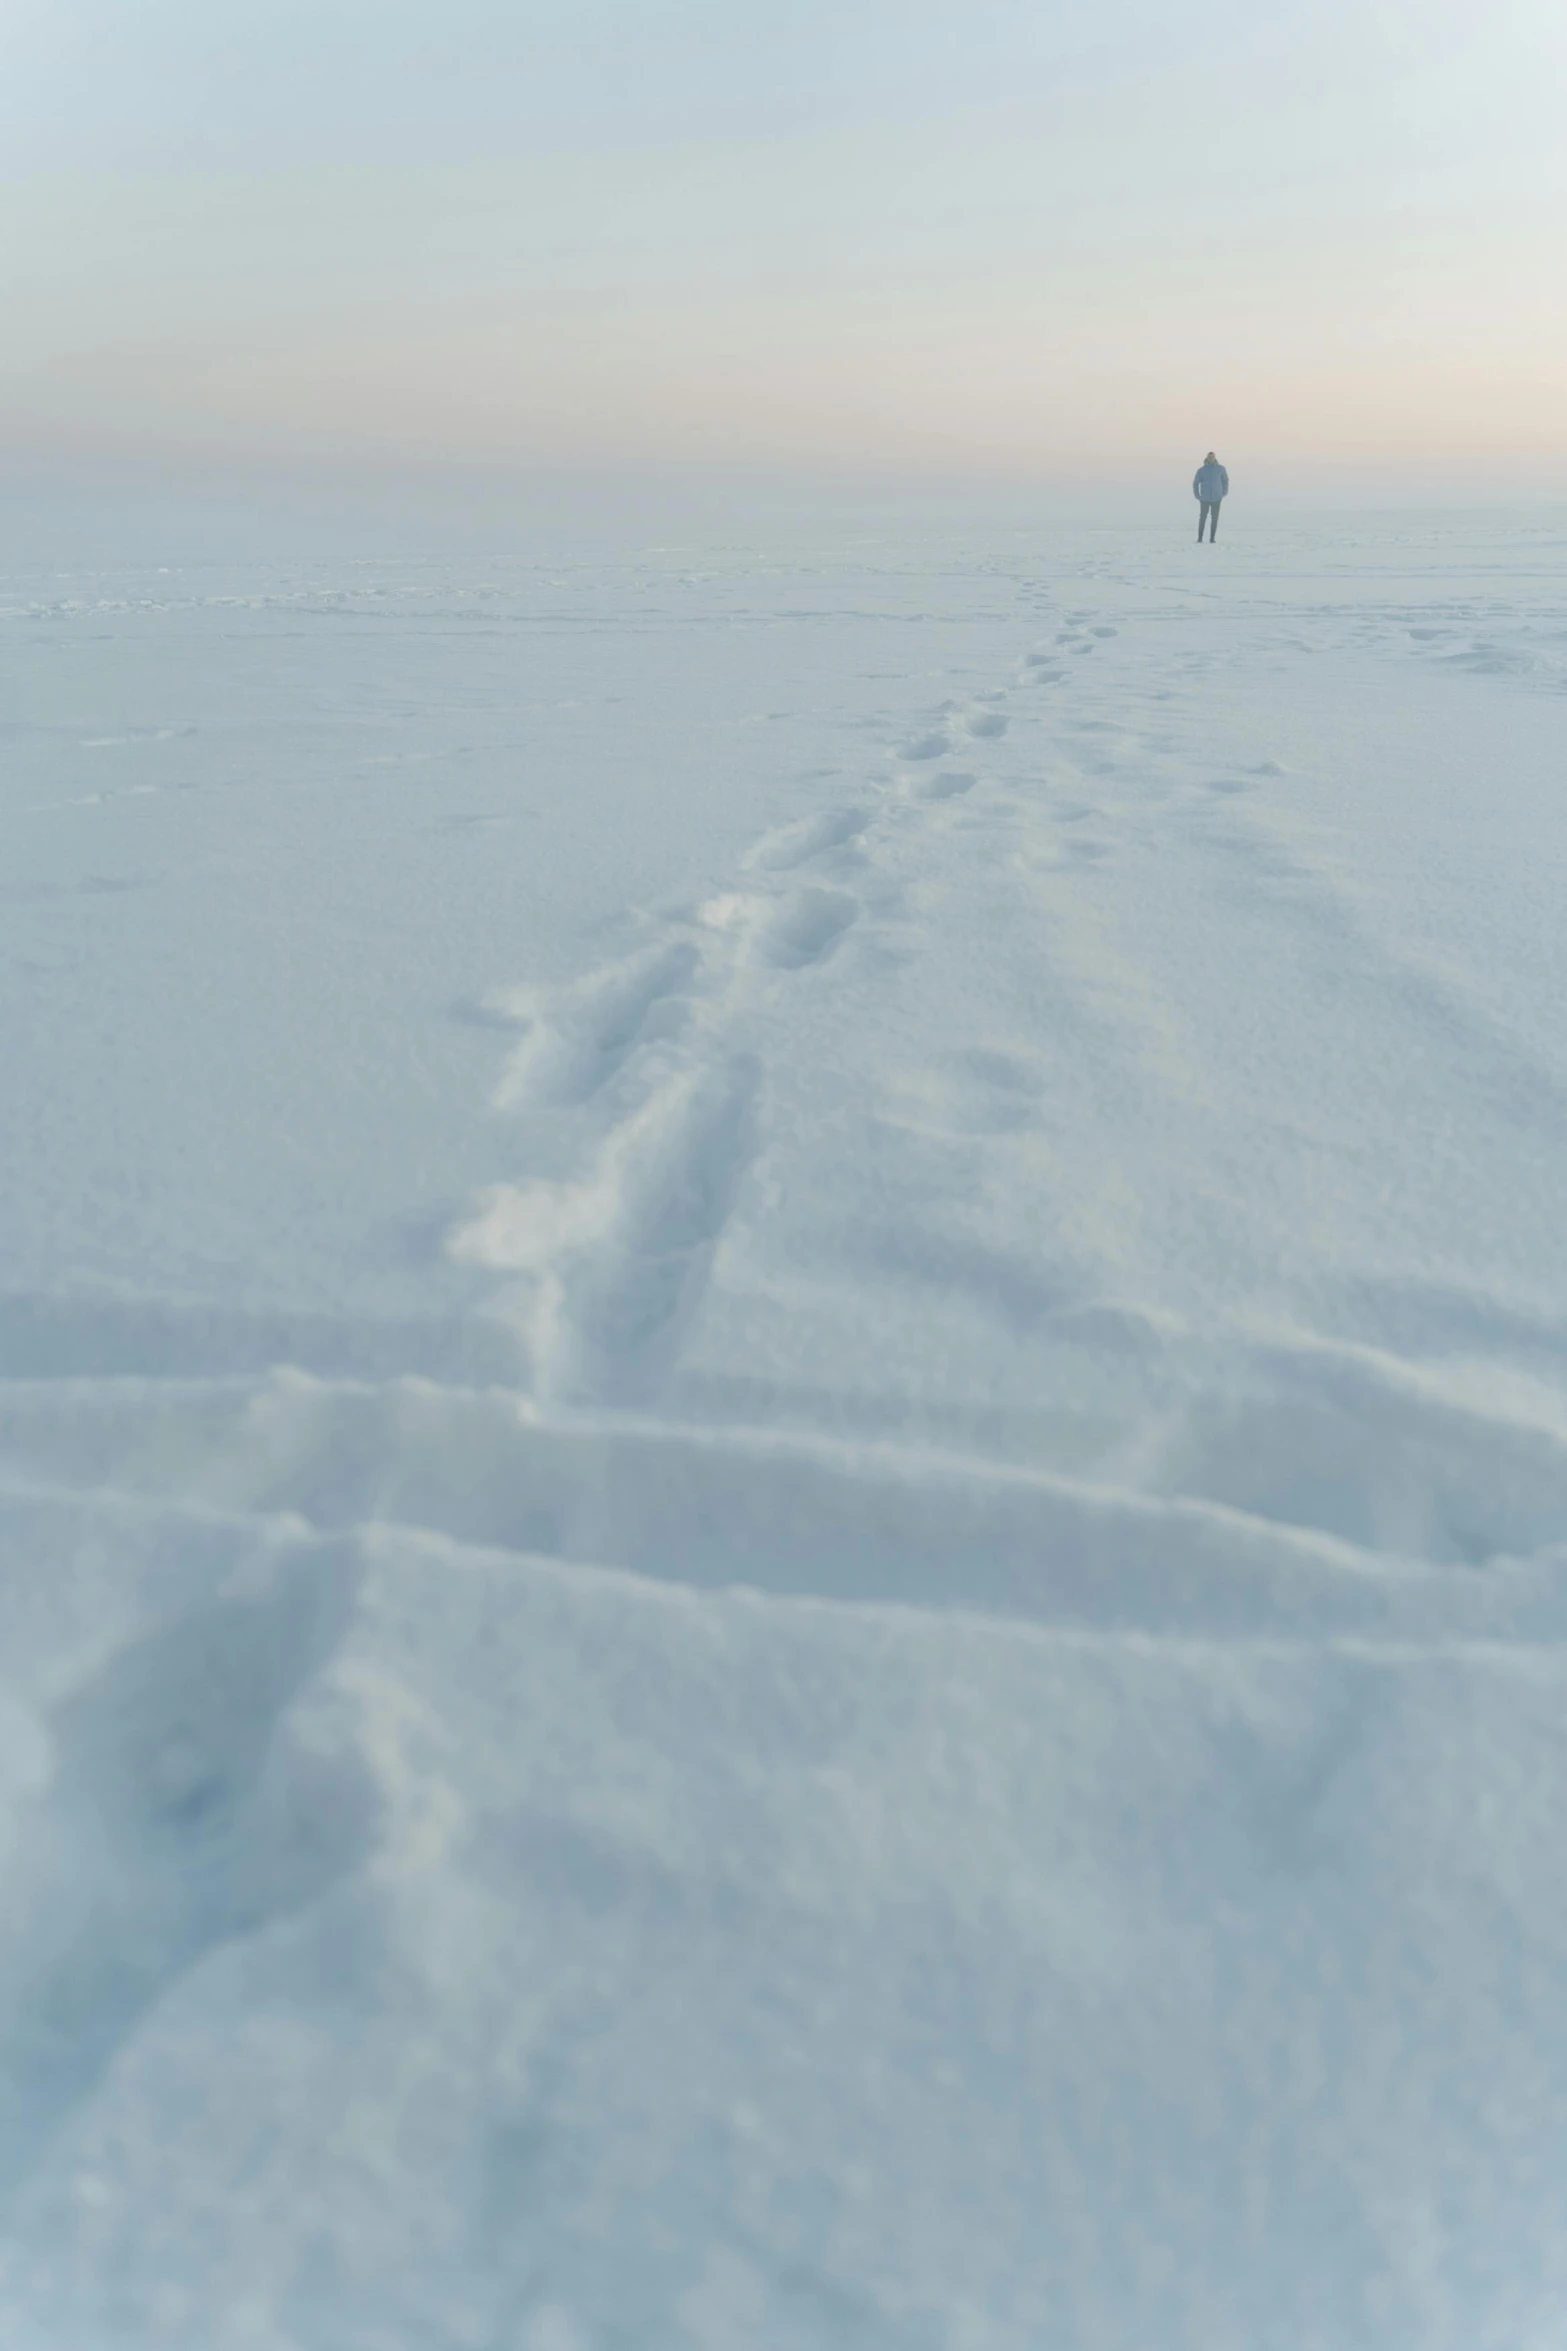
x=1208 y=509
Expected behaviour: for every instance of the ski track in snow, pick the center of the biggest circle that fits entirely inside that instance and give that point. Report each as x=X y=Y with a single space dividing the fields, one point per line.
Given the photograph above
x=1299 y=1528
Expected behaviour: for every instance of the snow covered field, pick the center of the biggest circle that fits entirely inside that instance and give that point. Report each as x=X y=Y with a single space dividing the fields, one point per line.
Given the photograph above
x=783 y=1448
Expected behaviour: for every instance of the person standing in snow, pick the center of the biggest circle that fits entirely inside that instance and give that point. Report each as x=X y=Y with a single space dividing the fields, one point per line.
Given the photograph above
x=1210 y=483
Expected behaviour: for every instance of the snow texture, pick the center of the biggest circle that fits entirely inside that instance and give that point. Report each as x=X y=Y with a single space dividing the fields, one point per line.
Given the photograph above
x=783 y=1447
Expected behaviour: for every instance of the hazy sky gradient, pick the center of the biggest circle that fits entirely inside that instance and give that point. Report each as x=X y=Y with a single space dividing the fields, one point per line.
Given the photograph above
x=990 y=238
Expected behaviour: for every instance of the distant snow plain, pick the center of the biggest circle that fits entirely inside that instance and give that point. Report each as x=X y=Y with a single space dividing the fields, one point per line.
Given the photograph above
x=783 y=1448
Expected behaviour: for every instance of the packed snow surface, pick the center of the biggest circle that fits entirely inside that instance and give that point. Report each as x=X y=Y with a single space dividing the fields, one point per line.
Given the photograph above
x=783 y=1449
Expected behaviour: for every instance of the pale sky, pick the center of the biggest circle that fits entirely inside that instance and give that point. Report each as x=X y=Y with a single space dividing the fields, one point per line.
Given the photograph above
x=1056 y=239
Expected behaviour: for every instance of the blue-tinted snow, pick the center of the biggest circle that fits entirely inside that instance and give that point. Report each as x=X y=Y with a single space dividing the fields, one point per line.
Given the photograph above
x=783 y=1449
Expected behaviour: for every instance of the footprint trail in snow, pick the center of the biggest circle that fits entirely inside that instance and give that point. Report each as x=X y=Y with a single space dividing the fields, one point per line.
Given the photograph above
x=933 y=1712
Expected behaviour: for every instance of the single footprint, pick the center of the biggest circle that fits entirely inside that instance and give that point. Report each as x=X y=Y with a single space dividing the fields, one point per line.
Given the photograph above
x=946 y=784
x=1107 y=632
x=989 y=723
x=613 y=1267
x=807 y=927
x=932 y=746
x=791 y=844
x=576 y=1038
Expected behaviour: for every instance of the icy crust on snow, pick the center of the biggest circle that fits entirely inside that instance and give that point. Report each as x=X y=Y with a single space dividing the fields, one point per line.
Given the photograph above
x=783 y=1453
